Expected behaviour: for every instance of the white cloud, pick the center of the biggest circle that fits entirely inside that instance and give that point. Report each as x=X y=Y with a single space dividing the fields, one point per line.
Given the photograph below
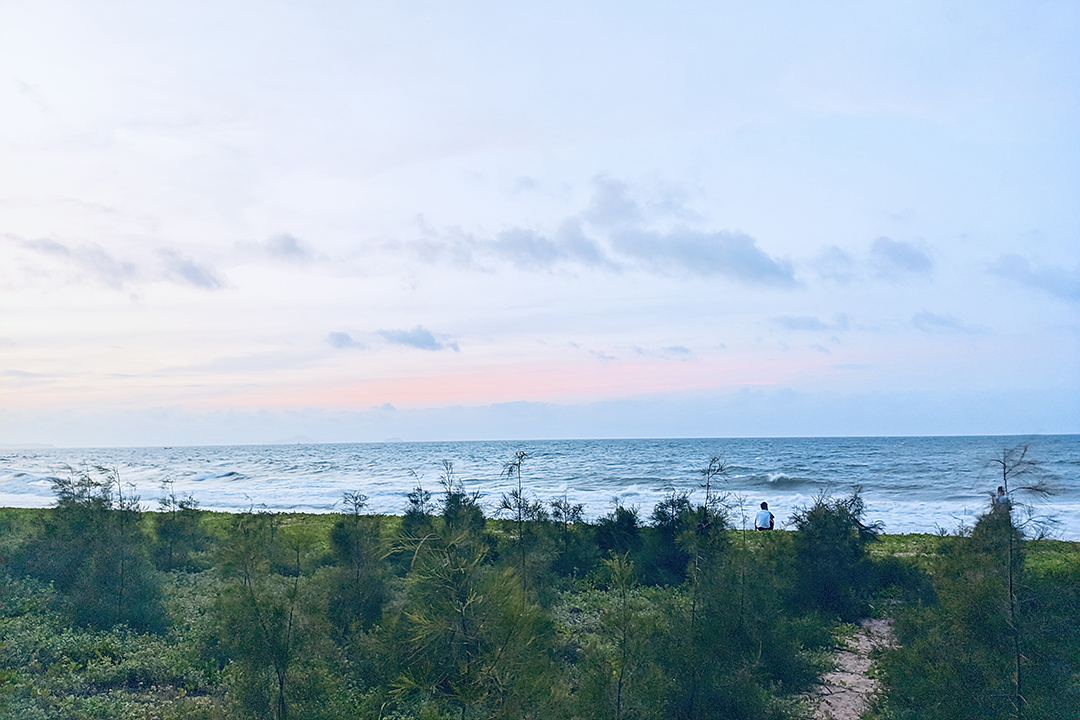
x=288 y=248
x=811 y=323
x=934 y=323
x=524 y=183
x=732 y=255
x=97 y=264
x=835 y=264
x=342 y=341
x=91 y=261
x=1056 y=281
x=419 y=338
x=896 y=260
x=526 y=249
x=34 y=95
x=184 y=270
x=800 y=322
x=611 y=205
x=625 y=239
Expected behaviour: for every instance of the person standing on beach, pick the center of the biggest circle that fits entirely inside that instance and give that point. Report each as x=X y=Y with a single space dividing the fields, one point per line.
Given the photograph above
x=1001 y=500
x=764 y=520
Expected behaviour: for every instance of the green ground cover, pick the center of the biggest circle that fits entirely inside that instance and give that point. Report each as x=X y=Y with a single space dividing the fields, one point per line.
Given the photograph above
x=108 y=611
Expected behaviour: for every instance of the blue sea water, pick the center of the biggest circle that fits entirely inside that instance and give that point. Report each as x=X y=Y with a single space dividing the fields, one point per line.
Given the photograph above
x=910 y=484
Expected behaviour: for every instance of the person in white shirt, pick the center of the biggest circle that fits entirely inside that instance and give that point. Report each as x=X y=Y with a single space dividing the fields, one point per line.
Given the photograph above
x=764 y=520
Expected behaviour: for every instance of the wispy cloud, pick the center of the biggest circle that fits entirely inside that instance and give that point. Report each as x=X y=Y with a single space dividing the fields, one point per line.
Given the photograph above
x=834 y=264
x=526 y=249
x=611 y=205
x=614 y=232
x=20 y=374
x=1056 y=281
x=419 y=338
x=732 y=255
x=896 y=260
x=524 y=183
x=529 y=250
x=91 y=260
x=288 y=248
x=33 y=94
x=22 y=378
x=281 y=248
x=811 y=323
x=99 y=265
x=342 y=341
x=186 y=271
x=669 y=351
x=934 y=323
x=604 y=356
x=718 y=253
x=800 y=322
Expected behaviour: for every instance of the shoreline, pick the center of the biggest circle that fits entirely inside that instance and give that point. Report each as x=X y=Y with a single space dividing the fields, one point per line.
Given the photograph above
x=927 y=541
x=914 y=484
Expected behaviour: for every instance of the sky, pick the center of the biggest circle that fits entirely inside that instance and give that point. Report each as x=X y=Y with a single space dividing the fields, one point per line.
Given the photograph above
x=329 y=221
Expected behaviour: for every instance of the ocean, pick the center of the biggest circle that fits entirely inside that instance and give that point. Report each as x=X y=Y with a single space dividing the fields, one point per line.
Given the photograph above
x=909 y=484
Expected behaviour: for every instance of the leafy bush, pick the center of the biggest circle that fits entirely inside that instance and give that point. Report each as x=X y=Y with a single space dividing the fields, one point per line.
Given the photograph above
x=999 y=641
x=91 y=546
x=664 y=557
x=358 y=586
x=619 y=532
x=834 y=573
x=179 y=536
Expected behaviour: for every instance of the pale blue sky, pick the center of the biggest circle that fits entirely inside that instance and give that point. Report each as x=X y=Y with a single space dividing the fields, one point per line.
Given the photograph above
x=248 y=222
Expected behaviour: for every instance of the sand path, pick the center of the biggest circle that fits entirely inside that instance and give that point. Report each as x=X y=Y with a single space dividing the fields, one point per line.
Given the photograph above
x=846 y=692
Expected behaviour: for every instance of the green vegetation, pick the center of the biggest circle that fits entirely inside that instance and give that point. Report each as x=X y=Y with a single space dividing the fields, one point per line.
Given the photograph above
x=999 y=635
x=107 y=611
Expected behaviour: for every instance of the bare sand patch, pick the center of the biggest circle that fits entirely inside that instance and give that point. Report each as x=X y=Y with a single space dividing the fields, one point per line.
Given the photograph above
x=845 y=693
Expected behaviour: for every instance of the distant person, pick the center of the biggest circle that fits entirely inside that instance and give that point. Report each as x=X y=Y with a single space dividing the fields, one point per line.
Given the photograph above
x=764 y=520
x=1001 y=500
